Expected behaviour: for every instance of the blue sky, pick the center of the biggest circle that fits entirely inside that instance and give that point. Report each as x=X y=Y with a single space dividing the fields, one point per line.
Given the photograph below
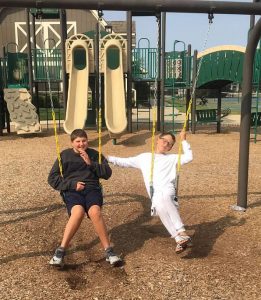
x=192 y=29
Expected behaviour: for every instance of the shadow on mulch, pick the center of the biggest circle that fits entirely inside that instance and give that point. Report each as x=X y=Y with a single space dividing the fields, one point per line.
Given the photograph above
x=37 y=211
x=132 y=141
x=214 y=196
x=95 y=142
x=136 y=140
x=131 y=236
x=207 y=233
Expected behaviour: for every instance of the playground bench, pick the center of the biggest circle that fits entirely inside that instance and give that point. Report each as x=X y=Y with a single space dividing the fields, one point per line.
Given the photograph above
x=255 y=119
x=207 y=116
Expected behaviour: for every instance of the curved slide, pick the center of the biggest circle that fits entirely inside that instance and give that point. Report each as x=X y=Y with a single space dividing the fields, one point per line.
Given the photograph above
x=77 y=102
x=114 y=94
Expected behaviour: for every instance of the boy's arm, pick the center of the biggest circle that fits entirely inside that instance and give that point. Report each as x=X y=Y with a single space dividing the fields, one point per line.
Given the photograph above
x=102 y=170
x=128 y=162
x=57 y=182
x=187 y=155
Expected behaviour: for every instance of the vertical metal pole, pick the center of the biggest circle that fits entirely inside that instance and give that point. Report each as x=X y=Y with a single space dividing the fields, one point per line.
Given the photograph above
x=2 y=111
x=163 y=64
x=35 y=63
x=252 y=21
x=246 y=116
x=129 y=70
x=188 y=77
x=257 y=89
x=219 y=111
x=63 y=30
x=8 y=127
x=252 y=18
x=159 y=91
x=34 y=43
x=97 y=77
x=29 y=51
x=194 y=75
x=173 y=88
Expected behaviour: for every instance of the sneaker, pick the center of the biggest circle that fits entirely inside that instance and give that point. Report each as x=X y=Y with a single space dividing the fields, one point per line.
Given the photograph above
x=58 y=257
x=113 y=258
x=183 y=242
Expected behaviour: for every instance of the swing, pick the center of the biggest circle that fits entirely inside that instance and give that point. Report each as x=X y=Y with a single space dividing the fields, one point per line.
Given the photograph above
x=52 y=103
x=154 y=108
x=100 y=14
x=46 y=68
x=210 y=17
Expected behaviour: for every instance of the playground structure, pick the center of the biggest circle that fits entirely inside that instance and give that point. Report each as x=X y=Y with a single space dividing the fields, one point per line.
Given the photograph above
x=221 y=65
x=114 y=92
x=199 y=7
x=15 y=83
x=80 y=62
x=80 y=68
x=77 y=102
x=22 y=111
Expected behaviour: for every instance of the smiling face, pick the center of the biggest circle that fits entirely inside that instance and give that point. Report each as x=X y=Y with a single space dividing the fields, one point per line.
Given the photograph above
x=164 y=143
x=80 y=143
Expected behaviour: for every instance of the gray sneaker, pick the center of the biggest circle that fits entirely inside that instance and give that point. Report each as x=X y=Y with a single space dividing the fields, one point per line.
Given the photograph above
x=113 y=258
x=58 y=257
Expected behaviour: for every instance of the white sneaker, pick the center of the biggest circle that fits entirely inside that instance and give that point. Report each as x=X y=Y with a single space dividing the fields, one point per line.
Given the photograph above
x=113 y=258
x=58 y=257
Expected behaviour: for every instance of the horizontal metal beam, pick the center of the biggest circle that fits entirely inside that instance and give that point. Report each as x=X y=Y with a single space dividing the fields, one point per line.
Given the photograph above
x=185 y=6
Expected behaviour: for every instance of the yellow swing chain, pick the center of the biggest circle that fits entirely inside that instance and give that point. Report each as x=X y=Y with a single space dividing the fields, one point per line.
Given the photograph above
x=100 y=14
x=51 y=101
x=154 y=110
x=210 y=17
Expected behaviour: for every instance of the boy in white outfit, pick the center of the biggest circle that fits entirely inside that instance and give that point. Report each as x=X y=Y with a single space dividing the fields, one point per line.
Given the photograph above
x=164 y=175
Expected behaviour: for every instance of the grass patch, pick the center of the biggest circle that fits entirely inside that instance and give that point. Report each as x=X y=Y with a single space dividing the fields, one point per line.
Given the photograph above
x=46 y=114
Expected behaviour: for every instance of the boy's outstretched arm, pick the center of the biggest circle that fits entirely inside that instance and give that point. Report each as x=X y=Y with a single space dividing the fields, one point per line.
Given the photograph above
x=128 y=162
x=187 y=155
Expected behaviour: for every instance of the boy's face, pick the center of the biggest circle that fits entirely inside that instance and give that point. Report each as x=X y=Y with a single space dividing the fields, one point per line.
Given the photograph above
x=80 y=143
x=164 y=144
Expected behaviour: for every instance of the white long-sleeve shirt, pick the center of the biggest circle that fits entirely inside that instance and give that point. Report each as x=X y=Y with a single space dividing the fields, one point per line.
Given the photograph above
x=164 y=173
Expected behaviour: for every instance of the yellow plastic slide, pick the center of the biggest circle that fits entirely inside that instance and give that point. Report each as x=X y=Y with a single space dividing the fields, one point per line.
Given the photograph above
x=77 y=102
x=114 y=94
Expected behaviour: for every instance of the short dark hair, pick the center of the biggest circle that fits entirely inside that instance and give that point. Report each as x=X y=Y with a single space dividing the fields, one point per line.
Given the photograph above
x=170 y=134
x=78 y=133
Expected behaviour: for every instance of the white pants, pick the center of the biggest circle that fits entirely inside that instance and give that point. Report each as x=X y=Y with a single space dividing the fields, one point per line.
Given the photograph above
x=164 y=206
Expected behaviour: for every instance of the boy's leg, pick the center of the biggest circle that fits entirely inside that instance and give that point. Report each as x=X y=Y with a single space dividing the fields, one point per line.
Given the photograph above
x=99 y=225
x=96 y=217
x=77 y=214
x=167 y=212
x=170 y=217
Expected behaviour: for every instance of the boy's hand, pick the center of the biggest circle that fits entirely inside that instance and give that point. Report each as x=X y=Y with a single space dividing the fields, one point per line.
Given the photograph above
x=80 y=186
x=85 y=156
x=183 y=135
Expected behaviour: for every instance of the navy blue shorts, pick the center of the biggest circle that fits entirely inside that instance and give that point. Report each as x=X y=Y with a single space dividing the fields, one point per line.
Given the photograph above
x=85 y=198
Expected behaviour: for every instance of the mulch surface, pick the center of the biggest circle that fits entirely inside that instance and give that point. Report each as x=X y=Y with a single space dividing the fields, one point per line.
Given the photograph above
x=224 y=262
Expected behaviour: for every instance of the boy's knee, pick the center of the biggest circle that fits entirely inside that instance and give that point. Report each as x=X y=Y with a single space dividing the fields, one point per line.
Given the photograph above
x=77 y=211
x=94 y=211
x=159 y=206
